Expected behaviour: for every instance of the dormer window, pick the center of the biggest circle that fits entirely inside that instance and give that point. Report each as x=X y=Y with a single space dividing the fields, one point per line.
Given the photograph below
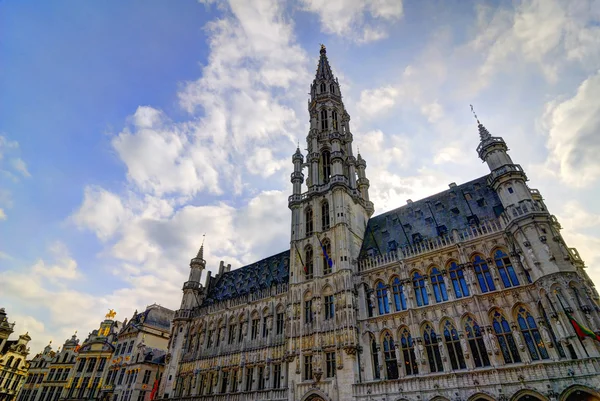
x=417 y=238
x=481 y=202
x=455 y=211
x=407 y=227
x=392 y=246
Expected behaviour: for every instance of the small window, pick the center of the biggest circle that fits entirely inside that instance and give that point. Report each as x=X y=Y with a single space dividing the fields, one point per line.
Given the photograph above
x=428 y=220
x=417 y=238
x=439 y=206
x=392 y=246
x=510 y=190
x=455 y=211
x=442 y=230
x=452 y=195
x=476 y=187
x=481 y=202
x=468 y=196
x=473 y=220
x=407 y=227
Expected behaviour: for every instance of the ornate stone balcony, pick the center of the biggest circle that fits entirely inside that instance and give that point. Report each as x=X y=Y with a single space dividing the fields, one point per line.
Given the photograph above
x=525 y=207
x=508 y=169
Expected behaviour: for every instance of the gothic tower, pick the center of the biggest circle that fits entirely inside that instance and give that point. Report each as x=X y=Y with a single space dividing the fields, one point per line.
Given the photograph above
x=328 y=224
x=536 y=240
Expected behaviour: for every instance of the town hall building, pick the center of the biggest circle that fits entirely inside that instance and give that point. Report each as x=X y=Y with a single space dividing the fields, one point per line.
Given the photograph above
x=470 y=294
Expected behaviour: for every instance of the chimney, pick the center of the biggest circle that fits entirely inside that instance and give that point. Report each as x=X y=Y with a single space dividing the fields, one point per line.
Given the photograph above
x=409 y=201
x=452 y=185
x=228 y=268
x=221 y=267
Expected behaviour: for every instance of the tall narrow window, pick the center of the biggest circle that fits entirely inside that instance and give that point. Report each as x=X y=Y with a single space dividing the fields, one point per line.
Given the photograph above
x=309 y=268
x=389 y=352
x=249 y=374
x=411 y=366
x=420 y=290
x=224 y=381
x=265 y=327
x=330 y=362
x=506 y=270
x=308 y=315
x=505 y=338
x=254 y=331
x=535 y=344
x=486 y=282
x=325 y=215
x=375 y=358
x=382 y=298
x=439 y=287
x=276 y=375
x=324 y=119
x=308 y=371
x=326 y=159
x=323 y=87
x=433 y=350
x=261 y=377
x=332 y=88
x=327 y=261
x=399 y=297
x=279 y=324
x=457 y=359
x=308 y=215
x=459 y=283
x=334 y=119
x=476 y=343
x=231 y=338
x=329 y=307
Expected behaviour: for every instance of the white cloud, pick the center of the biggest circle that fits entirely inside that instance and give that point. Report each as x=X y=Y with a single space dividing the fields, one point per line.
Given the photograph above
x=376 y=101
x=2 y=214
x=101 y=212
x=65 y=267
x=350 y=18
x=573 y=140
x=19 y=165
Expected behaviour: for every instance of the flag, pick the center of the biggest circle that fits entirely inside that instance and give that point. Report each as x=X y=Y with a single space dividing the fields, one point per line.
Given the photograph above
x=300 y=258
x=327 y=258
x=154 y=387
x=581 y=330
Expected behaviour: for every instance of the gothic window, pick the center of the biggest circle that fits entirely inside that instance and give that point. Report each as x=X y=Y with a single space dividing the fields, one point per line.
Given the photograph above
x=505 y=338
x=332 y=88
x=276 y=375
x=323 y=87
x=389 y=353
x=486 y=282
x=308 y=215
x=457 y=276
x=559 y=347
x=439 y=287
x=308 y=315
x=420 y=290
x=249 y=374
x=231 y=338
x=324 y=119
x=535 y=344
x=327 y=261
x=457 y=359
x=280 y=323
x=375 y=358
x=309 y=268
x=334 y=119
x=326 y=156
x=411 y=365
x=308 y=372
x=432 y=348
x=382 y=298
x=506 y=270
x=325 y=215
x=398 y=292
x=265 y=326
x=254 y=328
x=330 y=364
x=476 y=343
x=329 y=307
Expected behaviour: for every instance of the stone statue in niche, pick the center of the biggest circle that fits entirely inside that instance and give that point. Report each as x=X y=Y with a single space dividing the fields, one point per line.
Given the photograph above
x=548 y=252
x=463 y=345
x=531 y=256
x=442 y=350
x=546 y=335
x=518 y=339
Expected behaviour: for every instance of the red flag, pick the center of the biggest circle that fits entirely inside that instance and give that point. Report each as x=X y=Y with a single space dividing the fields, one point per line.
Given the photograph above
x=154 y=387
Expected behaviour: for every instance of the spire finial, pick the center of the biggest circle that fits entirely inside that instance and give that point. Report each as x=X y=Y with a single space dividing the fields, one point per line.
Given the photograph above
x=323 y=49
x=484 y=134
x=200 y=254
x=475 y=115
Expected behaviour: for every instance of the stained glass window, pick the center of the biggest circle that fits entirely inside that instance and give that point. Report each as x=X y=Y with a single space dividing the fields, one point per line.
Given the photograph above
x=457 y=359
x=391 y=365
x=432 y=348
x=411 y=366
x=486 y=282
x=439 y=287
x=505 y=338
x=398 y=292
x=506 y=270
x=382 y=298
x=533 y=339
x=457 y=276
x=420 y=291
x=476 y=343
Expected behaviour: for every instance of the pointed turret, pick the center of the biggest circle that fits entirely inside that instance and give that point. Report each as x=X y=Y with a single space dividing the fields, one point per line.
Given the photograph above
x=323 y=69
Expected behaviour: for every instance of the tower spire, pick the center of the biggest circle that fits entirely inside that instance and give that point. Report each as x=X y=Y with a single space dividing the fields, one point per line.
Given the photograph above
x=484 y=134
x=323 y=68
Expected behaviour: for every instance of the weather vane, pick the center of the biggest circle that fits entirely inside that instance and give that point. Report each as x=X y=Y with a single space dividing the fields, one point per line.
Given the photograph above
x=475 y=115
x=111 y=314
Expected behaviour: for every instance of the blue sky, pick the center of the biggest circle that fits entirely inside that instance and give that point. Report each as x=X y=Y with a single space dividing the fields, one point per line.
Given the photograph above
x=130 y=129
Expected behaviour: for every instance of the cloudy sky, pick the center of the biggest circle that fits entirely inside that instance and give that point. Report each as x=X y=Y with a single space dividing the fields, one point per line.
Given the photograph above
x=130 y=129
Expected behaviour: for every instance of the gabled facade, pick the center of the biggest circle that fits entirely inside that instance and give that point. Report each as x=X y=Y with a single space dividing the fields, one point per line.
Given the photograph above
x=13 y=359
x=469 y=294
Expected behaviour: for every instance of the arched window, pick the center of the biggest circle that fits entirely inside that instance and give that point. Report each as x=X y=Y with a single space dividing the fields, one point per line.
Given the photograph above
x=382 y=298
x=420 y=291
x=506 y=270
x=323 y=87
x=332 y=88
x=432 y=348
x=334 y=120
x=308 y=311
x=411 y=365
x=476 y=343
x=325 y=215
x=505 y=338
x=375 y=358
x=308 y=216
x=457 y=276
x=389 y=352
x=559 y=347
x=9 y=361
x=439 y=287
x=457 y=359
x=327 y=261
x=486 y=282
x=399 y=297
x=535 y=344
x=326 y=159
x=324 y=119
x=309 y=267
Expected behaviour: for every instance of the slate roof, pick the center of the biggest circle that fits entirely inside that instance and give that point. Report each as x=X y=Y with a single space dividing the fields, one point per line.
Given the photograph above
x=254 y=277
x=7 y=346
x=429 y=217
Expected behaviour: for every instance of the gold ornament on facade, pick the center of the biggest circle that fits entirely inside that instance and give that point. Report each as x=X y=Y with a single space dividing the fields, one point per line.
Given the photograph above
x=111 y=314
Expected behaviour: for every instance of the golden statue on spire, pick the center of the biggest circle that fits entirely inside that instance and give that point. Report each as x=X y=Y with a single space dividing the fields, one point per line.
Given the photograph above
x=111 y=314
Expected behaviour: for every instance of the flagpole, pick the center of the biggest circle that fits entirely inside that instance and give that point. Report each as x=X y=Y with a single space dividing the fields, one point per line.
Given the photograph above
x=568 y=315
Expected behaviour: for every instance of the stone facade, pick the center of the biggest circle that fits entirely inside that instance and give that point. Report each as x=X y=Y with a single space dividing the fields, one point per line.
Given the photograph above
x=13 y=359
x=139 y=357
x=49 y=373
x=465 y=295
